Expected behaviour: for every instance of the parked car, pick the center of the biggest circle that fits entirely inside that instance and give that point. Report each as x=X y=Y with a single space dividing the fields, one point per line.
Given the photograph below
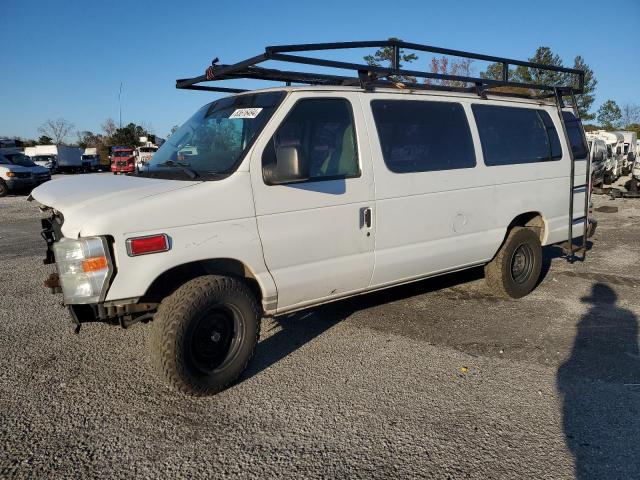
x=271 y=201
x=598 y=152
x=18 y=172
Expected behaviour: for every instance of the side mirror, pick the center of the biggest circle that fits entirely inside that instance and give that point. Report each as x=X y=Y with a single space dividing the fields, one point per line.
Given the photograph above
x=289 y=167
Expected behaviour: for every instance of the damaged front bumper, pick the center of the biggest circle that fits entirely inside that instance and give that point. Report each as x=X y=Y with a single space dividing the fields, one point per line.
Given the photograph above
x=92 y=308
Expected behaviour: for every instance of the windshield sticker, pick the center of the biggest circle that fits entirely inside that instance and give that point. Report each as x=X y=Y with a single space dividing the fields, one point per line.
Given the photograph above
x=246 y=113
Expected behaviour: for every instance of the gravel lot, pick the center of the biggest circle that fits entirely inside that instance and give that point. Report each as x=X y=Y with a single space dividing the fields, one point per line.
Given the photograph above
x=437 y=379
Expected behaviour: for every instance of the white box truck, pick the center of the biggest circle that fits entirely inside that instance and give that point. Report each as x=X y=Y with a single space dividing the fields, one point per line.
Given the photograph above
x=60 y=158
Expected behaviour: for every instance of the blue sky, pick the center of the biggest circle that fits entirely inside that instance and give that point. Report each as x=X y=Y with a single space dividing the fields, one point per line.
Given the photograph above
x=67 y=58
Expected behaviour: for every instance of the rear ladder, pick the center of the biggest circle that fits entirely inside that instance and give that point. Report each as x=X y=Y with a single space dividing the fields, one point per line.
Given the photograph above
x=569 y=248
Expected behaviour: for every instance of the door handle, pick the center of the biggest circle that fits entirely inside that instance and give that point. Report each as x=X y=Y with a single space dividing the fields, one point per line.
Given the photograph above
x=367 y=217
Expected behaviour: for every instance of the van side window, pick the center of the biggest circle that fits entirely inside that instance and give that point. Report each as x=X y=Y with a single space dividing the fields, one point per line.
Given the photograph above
x=512 y=135
x=574 y=130
x=418 y=136
x=323 y=129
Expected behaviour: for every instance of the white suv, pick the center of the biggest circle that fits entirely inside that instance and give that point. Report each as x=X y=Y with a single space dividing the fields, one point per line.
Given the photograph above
x=272 y=201
x=18 y=172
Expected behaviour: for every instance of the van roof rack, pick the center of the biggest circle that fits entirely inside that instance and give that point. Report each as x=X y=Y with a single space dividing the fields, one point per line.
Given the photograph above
x=369 y=76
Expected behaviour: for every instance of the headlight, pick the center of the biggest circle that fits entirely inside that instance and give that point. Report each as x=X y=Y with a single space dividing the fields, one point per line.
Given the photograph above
x=84 y=268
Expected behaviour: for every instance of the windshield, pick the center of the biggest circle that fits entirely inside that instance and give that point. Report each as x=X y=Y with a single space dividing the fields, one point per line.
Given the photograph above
x=147 y=149
x=215 y=139
x=19 y=159
x=121 y=153
x=42 y=158
x=4 y=161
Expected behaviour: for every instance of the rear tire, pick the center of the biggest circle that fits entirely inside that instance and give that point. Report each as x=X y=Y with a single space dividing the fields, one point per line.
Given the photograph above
x=515 y=270
x=204 y=334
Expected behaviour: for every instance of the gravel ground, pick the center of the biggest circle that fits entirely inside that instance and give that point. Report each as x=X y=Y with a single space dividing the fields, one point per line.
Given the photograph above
x=437 y=379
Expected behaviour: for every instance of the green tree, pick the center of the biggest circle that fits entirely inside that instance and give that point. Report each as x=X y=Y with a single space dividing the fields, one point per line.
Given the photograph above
x=88 y=139
x=634 y=127
x=609 y=115
x=585 y=100
x=128 y=136
x=384 y=57
x=45 y=140
x=544 y=56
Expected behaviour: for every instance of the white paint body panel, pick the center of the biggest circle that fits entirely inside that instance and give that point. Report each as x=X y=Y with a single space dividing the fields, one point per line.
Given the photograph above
x=315 y=244
x=306 y=243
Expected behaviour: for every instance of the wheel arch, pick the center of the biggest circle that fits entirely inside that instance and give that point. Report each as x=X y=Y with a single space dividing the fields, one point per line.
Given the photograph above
x=170 y=280
x=533 y=219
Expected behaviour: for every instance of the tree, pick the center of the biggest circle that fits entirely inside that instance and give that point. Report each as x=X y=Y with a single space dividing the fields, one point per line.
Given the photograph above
x=88 y=139
x=57 y=130
x=544 y=56
x=634 y=127
x=45 y=140
x=109 y=127
x=630 y=114
x=609 y=115
x=585 y=99
x=444 y=66
x=384 y=57
x=128 y=135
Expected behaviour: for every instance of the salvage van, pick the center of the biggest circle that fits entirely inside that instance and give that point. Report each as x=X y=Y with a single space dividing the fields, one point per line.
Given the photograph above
x=271 y=201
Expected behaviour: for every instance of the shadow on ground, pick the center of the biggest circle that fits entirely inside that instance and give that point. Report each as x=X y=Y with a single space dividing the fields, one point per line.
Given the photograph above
x=600 y=389
x=297 y=329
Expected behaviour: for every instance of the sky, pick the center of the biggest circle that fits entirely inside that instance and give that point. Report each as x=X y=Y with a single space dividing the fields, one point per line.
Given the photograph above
x=67 y=58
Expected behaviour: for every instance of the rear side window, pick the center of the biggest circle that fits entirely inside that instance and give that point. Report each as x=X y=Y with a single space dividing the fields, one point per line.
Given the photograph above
x=576 y=139
x=511 y=135
x=418 y=136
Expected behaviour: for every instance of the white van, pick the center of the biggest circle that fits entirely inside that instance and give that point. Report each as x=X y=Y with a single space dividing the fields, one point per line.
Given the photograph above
x=271 y=201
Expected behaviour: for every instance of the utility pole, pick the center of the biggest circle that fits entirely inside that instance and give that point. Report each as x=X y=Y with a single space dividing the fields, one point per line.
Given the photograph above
x=120 y=104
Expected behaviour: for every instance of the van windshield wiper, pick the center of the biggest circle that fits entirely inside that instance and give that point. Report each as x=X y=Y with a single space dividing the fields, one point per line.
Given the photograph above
x=182 y=166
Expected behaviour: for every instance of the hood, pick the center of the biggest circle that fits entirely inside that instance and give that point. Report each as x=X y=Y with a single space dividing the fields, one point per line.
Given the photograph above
x=12 y=167
x=39 y=169
x=83 y=197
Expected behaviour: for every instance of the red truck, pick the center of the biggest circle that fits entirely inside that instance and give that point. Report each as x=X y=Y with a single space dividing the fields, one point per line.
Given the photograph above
x=123 y=160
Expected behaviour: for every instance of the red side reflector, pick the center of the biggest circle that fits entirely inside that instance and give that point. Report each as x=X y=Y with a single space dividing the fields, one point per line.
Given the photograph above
x=150 y=244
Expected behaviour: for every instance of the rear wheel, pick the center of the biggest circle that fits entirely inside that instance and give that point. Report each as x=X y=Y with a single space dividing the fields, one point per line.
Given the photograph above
x=515 y=270
x=204 y=334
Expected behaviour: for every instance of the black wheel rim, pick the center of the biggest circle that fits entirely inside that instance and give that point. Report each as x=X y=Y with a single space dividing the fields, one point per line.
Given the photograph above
x=216 y=338
x=521 y=264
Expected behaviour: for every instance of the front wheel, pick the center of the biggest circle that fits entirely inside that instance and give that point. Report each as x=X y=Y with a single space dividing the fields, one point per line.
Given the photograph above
x=204 y=334
x=515 y=270
x=4 y=190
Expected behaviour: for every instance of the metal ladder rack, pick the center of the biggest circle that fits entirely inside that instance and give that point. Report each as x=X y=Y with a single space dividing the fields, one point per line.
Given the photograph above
x=569 y=248
x=370 y=77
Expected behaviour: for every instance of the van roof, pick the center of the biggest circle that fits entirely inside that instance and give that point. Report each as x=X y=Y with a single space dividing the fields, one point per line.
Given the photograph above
x=490 y=96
